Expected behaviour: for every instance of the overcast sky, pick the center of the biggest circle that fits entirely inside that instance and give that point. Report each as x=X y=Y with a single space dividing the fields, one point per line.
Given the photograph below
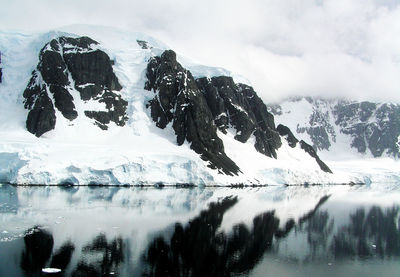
x=284 y=47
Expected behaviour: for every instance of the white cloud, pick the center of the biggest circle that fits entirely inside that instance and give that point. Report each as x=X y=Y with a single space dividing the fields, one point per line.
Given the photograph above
x=317 y=47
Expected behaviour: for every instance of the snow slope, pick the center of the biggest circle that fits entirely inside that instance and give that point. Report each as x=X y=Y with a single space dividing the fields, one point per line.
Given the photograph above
x=138 y=153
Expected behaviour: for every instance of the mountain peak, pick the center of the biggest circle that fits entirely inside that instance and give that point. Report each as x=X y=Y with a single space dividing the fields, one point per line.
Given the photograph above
x=132 y=112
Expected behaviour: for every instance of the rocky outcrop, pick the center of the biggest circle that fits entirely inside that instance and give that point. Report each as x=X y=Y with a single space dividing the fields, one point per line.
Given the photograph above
x=143 y=44
x=179 y=101
x=371 y=127
x=285 y=132
x=238 y=105
x=67 y=64
x=311 y=151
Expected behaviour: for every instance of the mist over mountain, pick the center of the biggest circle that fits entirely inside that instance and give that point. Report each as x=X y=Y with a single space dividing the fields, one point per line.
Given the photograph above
x=330 y=48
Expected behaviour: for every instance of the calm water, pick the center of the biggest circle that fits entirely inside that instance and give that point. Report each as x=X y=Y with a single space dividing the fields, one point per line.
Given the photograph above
x=272 y=231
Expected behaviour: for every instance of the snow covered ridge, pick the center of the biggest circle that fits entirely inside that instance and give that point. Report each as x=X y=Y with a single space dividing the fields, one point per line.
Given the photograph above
x=119 y=109
x=337 y=125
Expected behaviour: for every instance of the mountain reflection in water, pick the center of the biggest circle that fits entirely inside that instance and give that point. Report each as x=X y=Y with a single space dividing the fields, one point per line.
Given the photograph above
x=198 y=249
x=201 y=247
x=370 y=233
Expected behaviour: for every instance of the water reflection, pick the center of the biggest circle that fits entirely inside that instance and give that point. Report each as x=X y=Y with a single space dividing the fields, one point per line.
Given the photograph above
x=194 y=243
x=100 y=258
x=8 y=199
x=38 y=249
x=200 y=243
x=62 y=256
x=370 y=233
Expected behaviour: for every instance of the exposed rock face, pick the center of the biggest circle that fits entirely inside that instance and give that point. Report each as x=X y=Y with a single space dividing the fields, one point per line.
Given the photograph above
x=144 y=44
x=310 y=150
x=67 y=64
x=373 y=127
x=238 y=105
x=284 y=131
x=179 y=101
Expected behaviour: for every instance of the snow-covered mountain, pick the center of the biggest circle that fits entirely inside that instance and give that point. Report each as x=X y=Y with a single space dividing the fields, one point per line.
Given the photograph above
x=95 y=105
x=356 y=127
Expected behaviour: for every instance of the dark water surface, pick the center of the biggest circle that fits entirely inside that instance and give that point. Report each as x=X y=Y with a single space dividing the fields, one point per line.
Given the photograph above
x=271 y=231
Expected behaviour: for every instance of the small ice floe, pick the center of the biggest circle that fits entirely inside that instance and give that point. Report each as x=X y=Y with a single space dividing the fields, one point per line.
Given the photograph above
x=329 y=264
x=51 y=270
x=5 y=232
x=374 y=246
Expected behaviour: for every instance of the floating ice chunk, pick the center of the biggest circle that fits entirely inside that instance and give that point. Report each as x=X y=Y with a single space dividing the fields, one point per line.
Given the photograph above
x=51 y=270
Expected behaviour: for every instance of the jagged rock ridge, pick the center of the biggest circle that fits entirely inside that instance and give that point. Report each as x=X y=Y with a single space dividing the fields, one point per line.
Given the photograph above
x=67 y=64
x=238 y=105
x=284 y=131
x=372 y=127
x=179 y=100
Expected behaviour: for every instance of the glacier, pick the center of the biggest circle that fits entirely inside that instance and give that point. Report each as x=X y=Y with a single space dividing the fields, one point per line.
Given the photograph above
x=139 y=153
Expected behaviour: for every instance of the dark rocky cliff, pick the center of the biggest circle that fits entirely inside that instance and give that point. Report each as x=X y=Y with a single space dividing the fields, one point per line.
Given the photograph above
x=238 y=105
x=65 y=64
x=179 y=100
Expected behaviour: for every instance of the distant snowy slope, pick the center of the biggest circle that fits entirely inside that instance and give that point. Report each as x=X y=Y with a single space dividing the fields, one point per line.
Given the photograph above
x=343 y=127
x=360 y=138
